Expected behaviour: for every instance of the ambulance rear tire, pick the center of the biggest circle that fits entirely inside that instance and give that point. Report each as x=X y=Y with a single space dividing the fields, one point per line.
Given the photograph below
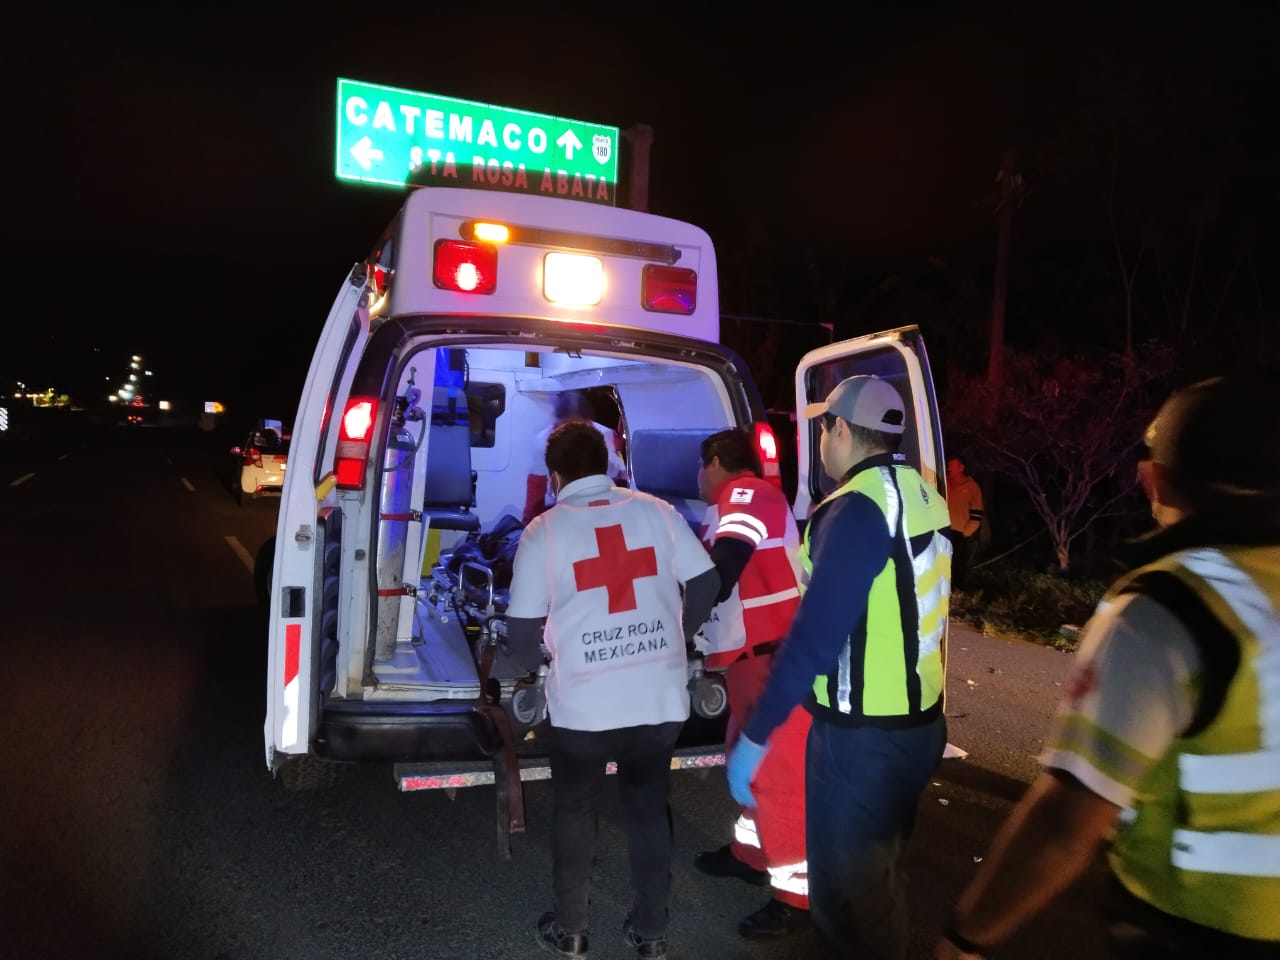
x=309 y=773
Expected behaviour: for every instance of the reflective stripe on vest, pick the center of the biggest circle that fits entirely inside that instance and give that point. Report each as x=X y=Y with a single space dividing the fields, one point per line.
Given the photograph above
x=1203 y=841
x=901 y=675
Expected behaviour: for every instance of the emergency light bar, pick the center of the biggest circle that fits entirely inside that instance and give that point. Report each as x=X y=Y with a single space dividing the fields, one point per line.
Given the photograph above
x=574 y=242
x=572 y=276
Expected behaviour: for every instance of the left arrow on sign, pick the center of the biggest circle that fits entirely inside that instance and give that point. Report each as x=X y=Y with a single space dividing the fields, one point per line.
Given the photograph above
x=365 y=153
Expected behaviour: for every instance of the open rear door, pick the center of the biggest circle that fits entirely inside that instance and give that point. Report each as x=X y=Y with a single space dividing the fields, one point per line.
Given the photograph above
x=897 y=356
x=307 y=533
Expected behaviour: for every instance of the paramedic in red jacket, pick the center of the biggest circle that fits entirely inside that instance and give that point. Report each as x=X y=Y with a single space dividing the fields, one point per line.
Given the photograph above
x=752 y=537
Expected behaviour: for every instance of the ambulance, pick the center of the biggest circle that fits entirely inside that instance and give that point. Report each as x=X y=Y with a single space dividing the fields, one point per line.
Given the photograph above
x=444 y=355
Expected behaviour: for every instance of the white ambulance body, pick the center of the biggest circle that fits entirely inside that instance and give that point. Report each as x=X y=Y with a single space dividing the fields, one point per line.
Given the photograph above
x=439 y=364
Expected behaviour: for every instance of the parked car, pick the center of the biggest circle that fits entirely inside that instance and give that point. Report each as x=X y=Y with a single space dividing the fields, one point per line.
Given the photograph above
x=260 y=462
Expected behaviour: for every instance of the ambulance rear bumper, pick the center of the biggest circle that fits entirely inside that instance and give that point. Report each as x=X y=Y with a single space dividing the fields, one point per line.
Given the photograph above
x=421 y=733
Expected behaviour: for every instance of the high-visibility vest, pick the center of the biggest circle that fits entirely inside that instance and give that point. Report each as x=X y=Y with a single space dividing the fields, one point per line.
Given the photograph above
x=1202 y=841
x=899 y=641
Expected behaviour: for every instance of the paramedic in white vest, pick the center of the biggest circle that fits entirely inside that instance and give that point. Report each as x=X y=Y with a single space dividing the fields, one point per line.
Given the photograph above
x=569 y=406
x=598 y=579
x=1166 y=753
x=864 y=655
x=751 y=535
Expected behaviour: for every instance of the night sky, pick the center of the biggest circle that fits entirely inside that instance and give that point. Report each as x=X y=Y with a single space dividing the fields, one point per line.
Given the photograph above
x=171 y=186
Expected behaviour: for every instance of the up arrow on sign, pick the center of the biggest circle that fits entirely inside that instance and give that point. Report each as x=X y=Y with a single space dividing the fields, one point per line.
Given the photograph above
x=569 y=142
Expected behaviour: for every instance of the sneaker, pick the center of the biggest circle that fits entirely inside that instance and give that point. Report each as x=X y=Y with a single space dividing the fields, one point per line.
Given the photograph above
x=553 y=938
x=654 y=948
x=774 y=921
x=722 y=863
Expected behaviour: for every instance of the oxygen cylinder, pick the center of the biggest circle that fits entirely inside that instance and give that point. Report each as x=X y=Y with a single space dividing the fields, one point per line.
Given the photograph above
x=408 y=426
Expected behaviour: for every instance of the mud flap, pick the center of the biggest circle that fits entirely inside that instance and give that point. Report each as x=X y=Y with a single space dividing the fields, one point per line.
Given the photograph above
x=508 y=786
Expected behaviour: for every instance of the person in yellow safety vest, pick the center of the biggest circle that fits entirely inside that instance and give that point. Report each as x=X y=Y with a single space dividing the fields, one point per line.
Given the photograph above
x=870 y=628
x=1167 y=747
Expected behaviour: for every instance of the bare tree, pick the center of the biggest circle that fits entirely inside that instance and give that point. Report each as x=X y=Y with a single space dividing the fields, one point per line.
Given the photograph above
x=1063 y=429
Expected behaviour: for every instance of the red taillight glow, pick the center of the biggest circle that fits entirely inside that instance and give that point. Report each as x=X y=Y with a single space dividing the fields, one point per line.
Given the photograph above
x=465 y=266
x=668 y=289
x=381 y=279
x=355 y=433
x=767 y=445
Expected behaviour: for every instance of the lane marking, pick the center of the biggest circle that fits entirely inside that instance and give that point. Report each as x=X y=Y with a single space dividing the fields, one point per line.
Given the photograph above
x=187 y=483
x=22 y=479
x=238 y=549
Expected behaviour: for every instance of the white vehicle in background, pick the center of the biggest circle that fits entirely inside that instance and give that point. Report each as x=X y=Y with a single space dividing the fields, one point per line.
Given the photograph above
x=442 y=356
x=260 y=462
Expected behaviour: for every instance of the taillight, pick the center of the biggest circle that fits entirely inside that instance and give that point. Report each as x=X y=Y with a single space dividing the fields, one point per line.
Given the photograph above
x=767 y=445
x=253 y=457
x=355 y=434
x=668 y=289
x=465 y=266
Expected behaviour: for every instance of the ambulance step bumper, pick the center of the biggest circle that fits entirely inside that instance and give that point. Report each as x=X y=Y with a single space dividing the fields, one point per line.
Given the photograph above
x=445 y=775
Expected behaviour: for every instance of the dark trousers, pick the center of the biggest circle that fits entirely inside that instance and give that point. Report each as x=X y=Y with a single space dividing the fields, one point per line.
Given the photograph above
x=1136 y=930
x=643 y=756
x=863 y=785
x=961 y=554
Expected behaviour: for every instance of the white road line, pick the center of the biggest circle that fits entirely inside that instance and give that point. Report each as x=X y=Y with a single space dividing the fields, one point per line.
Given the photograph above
x=22 y=479
x=187 y=483
x=238 y=549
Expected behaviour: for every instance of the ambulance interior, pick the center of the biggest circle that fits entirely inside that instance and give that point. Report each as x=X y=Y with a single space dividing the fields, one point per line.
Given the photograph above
x=482 y=412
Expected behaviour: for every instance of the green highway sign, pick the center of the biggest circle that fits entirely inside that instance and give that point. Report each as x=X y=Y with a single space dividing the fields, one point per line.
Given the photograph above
x=396 y=137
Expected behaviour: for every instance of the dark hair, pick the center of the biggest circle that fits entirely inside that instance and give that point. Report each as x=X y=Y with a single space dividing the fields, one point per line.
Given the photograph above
x=575 y=450
x=1206 y=437
x=735 y=449
x=876 y=438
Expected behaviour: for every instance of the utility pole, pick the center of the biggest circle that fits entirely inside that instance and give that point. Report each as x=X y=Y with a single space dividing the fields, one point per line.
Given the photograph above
x=1010 y=189
x=640 y=138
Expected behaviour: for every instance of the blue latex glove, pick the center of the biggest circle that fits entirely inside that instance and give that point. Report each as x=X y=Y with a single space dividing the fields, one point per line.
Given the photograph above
x=744 y=759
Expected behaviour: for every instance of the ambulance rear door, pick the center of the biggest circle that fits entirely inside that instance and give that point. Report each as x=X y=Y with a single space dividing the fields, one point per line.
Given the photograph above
x=303 y=598
x=897 y=356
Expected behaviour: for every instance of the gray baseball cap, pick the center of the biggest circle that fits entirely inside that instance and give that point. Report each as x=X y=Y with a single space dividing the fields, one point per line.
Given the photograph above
x=867 y=401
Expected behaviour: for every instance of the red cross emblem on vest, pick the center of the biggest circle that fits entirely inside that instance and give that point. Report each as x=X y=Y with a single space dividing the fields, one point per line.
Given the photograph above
x=616 y=568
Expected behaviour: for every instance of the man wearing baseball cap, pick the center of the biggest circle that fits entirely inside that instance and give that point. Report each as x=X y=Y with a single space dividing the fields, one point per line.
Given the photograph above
x=864 y=654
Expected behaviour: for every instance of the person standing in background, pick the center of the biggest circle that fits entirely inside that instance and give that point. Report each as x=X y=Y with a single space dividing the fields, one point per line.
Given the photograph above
x=964 y=502
x=569 y=405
